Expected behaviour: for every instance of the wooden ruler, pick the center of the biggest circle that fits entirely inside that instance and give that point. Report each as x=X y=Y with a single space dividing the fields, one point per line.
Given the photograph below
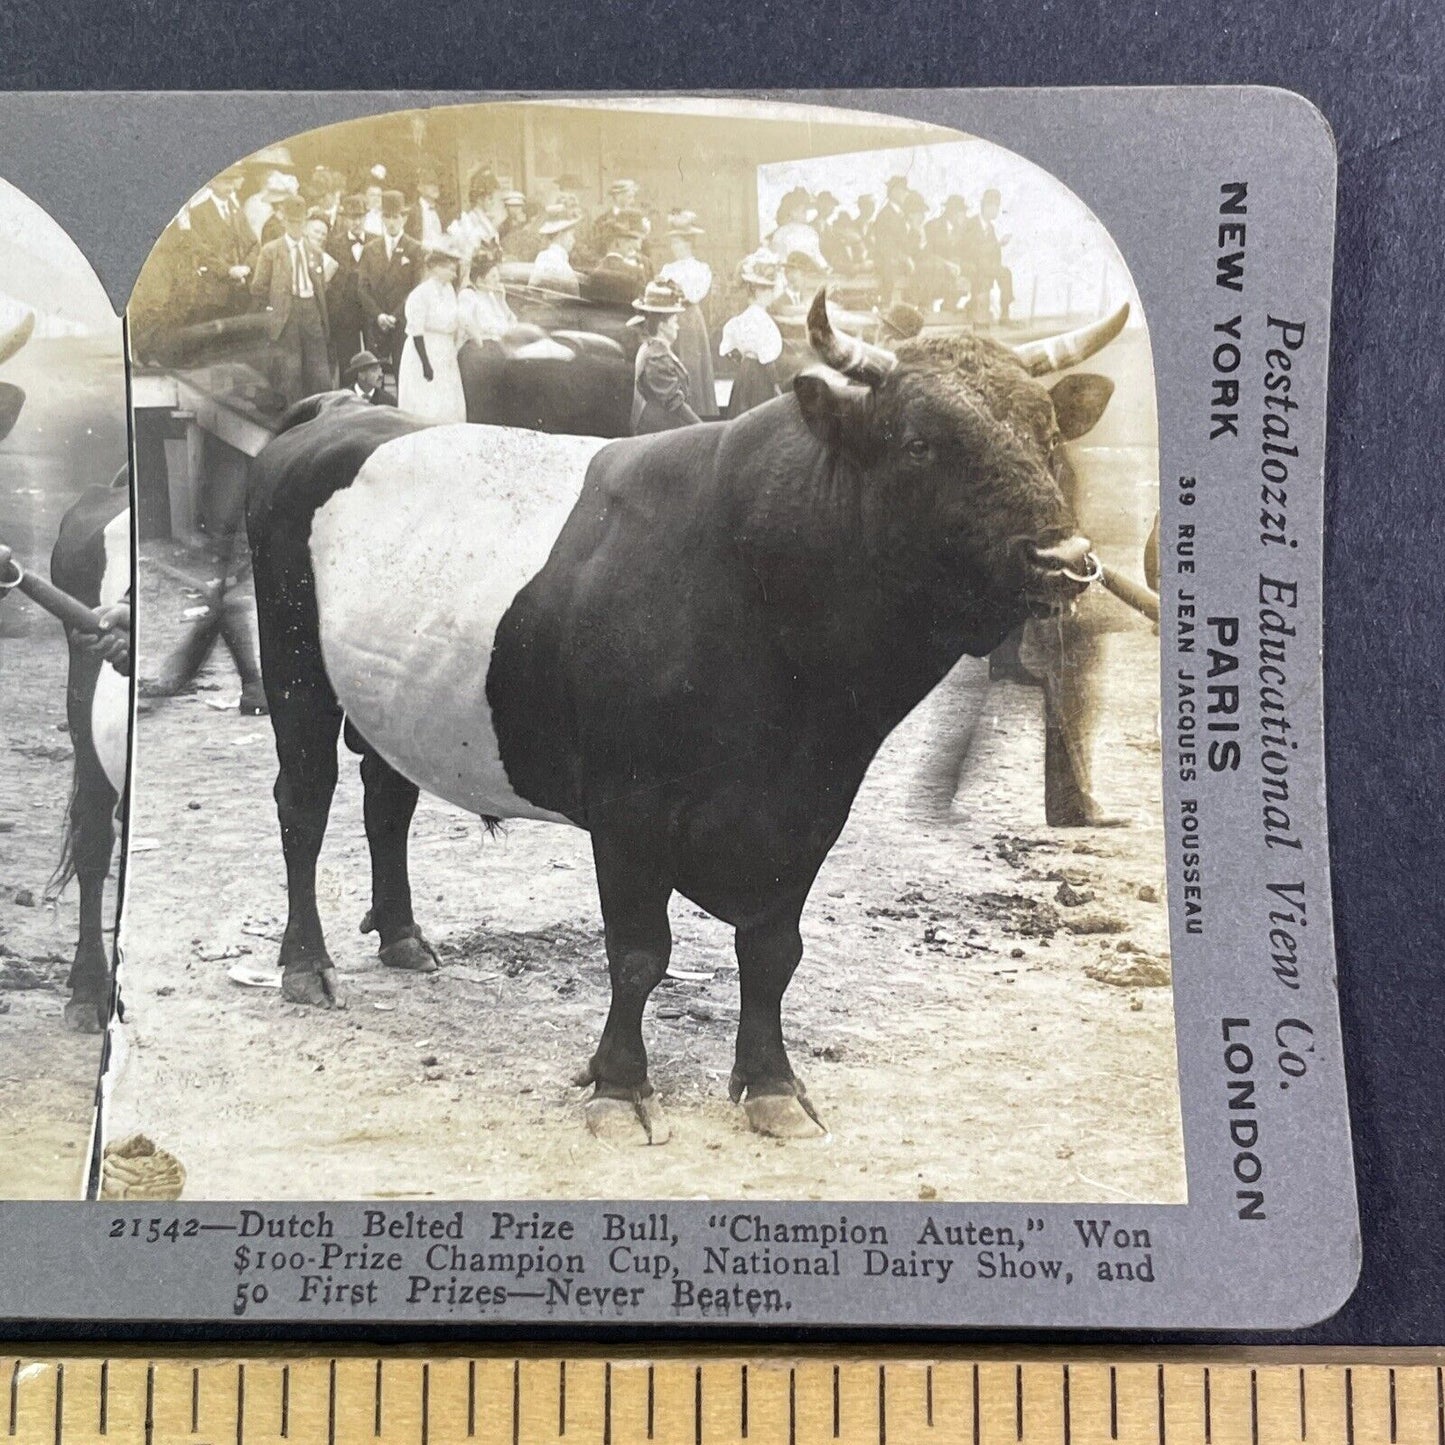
x=429 y=1397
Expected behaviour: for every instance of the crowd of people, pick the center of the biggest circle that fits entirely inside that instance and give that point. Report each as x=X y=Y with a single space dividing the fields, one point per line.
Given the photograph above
x=373 y=289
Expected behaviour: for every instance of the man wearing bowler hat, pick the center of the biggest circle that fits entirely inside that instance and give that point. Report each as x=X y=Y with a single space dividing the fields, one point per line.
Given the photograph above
x=389 y=269
x=623 y=270
x=363 y=377
x=290 y=287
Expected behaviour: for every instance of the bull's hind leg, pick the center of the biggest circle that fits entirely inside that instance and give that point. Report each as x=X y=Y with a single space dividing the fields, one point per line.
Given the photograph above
x=306 y=719
x=390 y=803
x=634 y=892
x=769 y=949
x=92 y=841
x=89 y=844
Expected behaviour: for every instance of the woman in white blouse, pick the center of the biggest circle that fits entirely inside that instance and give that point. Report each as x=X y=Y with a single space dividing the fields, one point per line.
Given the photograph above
x=482 y=311
x=753 y=336
x=428 y=381
x=694 y=279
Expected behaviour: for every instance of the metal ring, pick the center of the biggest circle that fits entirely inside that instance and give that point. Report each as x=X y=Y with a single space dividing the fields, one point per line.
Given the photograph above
x=8 y=582
x=1095 y=572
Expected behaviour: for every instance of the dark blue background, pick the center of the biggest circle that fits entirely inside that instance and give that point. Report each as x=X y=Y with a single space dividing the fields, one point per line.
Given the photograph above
x=1376 y=72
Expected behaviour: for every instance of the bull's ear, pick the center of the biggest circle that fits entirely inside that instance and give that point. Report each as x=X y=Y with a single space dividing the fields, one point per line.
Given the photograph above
x=826 y=396
x=1079 y=402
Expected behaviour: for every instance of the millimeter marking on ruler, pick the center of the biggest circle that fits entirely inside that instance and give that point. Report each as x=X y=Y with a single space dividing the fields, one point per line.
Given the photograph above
x=587 y=1398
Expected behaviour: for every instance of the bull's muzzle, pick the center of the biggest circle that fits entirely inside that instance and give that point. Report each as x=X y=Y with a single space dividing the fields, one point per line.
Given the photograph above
x=1055 y=575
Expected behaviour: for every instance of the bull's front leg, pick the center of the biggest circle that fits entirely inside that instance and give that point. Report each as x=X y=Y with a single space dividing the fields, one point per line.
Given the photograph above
x=634 y=894
x=306 y=727
x=769 y=950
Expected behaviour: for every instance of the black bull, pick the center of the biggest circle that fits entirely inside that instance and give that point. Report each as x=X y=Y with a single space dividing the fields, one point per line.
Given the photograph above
x=731 y=621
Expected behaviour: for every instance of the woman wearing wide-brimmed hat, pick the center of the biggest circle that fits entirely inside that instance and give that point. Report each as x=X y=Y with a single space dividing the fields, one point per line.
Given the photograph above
x=428 y=381
x=661 y=398
x=552 y=270
x=753 y=336
x=694 y=279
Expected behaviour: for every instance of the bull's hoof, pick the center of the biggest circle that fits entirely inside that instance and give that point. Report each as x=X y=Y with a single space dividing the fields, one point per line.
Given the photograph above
x=411 y=952
x=1087 y=814
x=618 y=1120
x=85 y=1015
x=781 y=1116
x=785 y=1112
x=314 y=986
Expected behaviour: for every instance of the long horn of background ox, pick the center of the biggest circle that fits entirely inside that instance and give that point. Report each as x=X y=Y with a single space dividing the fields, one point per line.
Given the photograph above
x=1069 y=348
x=848 y=354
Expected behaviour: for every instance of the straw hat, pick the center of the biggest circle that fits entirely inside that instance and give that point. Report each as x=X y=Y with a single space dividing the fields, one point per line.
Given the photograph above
x=759 y=269
x=660 y=298
x=445 y=252
x=684 y=223
x=558 y=219
x=802 y=261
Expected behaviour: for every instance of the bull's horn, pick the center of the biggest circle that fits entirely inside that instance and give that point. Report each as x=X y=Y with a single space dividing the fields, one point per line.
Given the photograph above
x=1069 y=348
x=850 y=355
x=11 y=341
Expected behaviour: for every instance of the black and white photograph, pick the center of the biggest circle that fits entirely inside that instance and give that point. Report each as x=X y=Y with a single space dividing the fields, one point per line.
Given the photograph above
x=649 y=682
x=65 y=665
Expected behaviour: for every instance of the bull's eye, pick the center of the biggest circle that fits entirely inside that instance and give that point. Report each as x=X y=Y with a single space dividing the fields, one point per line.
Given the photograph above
x=916 y=450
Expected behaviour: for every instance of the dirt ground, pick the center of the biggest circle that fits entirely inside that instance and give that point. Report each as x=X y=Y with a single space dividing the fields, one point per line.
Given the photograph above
x=71 y=434
x=982 y=1011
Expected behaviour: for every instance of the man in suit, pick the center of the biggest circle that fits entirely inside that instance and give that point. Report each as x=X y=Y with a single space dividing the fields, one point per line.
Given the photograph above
x=623 y=206
x=390 y=266
x=623 y=270
x=343 y=297
x=290 y=288
x=893 y=243
x=424 y=221
x=363 y=377
x=223 y=248
x=946 y=236
x=985 y=265
x=517 y=232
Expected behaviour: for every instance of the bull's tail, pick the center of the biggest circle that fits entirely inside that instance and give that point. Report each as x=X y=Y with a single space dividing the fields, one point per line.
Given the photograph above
x=65 y=867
